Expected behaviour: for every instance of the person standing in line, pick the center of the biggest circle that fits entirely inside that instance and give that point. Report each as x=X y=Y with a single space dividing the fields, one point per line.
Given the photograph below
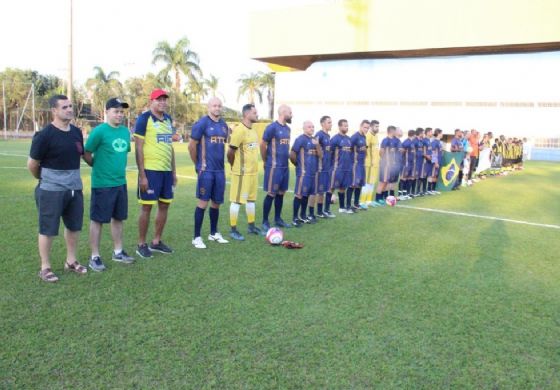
x=54 y=159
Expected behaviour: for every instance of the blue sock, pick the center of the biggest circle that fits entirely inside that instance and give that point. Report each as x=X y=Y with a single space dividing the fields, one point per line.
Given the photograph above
x=312 y=211
x=341 y=199
x=304 y=200
x=278 y=203
x=198 y=219
x=319 y=208
x=297 y=203
x=214 y=215
x=349 y=192
x=357 y=193
x=267 y=205
x=328 y=199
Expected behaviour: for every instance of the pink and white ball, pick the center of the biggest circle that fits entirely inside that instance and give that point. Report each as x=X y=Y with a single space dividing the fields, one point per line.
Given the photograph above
x=274 y=236
x=391 y=201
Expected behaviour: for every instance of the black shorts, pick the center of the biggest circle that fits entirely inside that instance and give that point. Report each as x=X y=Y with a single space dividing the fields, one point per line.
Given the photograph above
x=107 y=203
x=52 y=205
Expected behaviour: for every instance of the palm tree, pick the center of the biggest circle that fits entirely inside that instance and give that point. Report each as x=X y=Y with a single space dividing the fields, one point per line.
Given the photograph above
x=250 y=85
x=102 y=86
x=196 y=90
x=267 y=82
x=211 y=84
x=179 y=59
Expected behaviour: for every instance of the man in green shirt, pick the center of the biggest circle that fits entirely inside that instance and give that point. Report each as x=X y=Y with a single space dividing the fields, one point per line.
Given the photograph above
x=106 y=150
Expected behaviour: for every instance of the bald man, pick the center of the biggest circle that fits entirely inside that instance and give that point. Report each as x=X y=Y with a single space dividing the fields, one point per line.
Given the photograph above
x=207 y=150
x=305 y=155
x=275 y=152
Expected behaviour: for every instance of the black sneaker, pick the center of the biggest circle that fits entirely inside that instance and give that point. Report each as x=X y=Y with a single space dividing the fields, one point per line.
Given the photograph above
x=321 y=215
x=354 y=209
x=312 y=220
x=297 y=223
x=328 y=214
x=96 y=264
x=252 y=229
x=161 y=248
x=304 y=219
x=123 y=257
x=144 y=252
x=281 y=224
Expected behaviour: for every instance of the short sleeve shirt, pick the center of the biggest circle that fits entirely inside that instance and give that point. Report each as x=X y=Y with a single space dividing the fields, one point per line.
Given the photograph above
x=246 y=144
x=158 y=138
x=277 y=136
x=211 y=136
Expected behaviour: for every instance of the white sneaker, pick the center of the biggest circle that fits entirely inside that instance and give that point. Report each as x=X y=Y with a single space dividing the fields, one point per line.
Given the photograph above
x=342 y=211
x=198 y=243
x=218 y=238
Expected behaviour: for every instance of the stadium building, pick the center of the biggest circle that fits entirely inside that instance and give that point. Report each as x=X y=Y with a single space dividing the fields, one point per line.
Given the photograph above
x=491 y=65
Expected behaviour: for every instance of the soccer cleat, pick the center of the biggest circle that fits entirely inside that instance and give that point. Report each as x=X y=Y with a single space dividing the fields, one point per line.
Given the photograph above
x=363 y=207
x=372 y=204
x=252 y=229
x=265 y=228
x=328 y=214
x=342 y=211
x=198 y=243
x=297 y=222
x=312 y=220
x=96 y=264
x=234 y=233
x=381 y=202
x=353 y=209
x=281 y=224
x=321 y=215
x=123 y=257
x=218 y=238
x=161 y=248
x=144 y=251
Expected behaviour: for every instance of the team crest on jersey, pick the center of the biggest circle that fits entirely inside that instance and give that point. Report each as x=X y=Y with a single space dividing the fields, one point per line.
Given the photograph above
x=164 y=138
x=202 y=190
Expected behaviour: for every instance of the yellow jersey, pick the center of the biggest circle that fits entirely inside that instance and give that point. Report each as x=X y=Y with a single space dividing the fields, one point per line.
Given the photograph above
x=246 y=142
x=372 y=153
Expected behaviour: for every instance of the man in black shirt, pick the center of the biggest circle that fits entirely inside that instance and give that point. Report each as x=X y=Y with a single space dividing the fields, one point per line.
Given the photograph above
x=54 y=159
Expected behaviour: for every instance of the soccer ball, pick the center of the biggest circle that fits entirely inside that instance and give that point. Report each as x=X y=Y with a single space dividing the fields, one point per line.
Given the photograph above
x=391 y=201
x=274 y=236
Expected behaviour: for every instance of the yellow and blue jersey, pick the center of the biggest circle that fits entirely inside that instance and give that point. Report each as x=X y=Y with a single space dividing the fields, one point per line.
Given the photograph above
x=210 y=150
x=157 y=135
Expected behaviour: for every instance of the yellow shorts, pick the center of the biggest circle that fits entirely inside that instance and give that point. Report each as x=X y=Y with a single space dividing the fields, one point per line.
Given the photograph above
x=372 y=173
x=243 y=188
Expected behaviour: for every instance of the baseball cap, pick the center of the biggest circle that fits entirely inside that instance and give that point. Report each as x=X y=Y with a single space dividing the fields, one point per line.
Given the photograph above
x=115 y=102
x=157 y=93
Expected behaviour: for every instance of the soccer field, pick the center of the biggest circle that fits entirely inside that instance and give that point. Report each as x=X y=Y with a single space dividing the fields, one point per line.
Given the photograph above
x=397 y=297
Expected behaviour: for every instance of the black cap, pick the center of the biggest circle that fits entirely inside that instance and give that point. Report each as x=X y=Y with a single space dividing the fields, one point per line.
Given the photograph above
x=115 y=102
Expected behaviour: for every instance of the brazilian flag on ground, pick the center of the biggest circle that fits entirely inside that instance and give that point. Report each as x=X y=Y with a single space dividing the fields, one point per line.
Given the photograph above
x=449 y=170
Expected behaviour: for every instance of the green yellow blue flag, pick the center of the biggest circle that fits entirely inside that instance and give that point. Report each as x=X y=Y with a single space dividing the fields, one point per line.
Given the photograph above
x=449 y=171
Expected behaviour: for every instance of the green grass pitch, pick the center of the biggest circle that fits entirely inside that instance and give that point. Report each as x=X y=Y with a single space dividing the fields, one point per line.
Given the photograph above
x=388 y=298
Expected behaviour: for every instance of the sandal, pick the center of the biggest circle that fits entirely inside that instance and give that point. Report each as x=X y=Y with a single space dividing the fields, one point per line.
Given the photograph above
x=48 y=276
x=75 y=267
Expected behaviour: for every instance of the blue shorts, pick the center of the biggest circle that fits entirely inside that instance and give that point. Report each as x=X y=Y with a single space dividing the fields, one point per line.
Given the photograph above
x=160 y=188
x=107 y=203
x=276 y=179
x=408 y=171
x=323 y=182
x=305 y=185
x=422 y=172
x=388 y=172
x=358 y=175
x=434 y=172
x=211 y=186
x=341 y=179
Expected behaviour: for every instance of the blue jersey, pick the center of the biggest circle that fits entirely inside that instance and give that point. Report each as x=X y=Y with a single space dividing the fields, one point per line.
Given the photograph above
x=436 y=150
x=277 y=136
x=341 y=152
x=306 y=156
x=211 y=137
x=427 y=148
x=396 y=151
x=325 y=142
x=359 y=148
x=409 y=154
x=457 y=144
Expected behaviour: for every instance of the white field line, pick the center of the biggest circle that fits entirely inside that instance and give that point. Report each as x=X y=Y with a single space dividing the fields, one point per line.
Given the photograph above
x=481 y=216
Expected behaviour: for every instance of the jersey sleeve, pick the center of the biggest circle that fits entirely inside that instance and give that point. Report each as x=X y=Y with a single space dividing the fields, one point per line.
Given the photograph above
x=268 y=133
x=140 y=127
x=237 y=136
x=297 y=145
x=38 y=146
x=198 y=130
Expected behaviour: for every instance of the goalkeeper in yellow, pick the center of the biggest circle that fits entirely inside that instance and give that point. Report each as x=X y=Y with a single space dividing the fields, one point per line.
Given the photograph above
x=243 y=154
x=372 y=166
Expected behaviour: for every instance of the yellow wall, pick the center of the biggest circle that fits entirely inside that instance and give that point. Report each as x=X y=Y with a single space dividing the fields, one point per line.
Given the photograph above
x=392 y=25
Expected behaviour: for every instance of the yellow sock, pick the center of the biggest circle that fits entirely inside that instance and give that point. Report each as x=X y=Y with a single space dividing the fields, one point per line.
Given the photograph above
x=250 y=209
